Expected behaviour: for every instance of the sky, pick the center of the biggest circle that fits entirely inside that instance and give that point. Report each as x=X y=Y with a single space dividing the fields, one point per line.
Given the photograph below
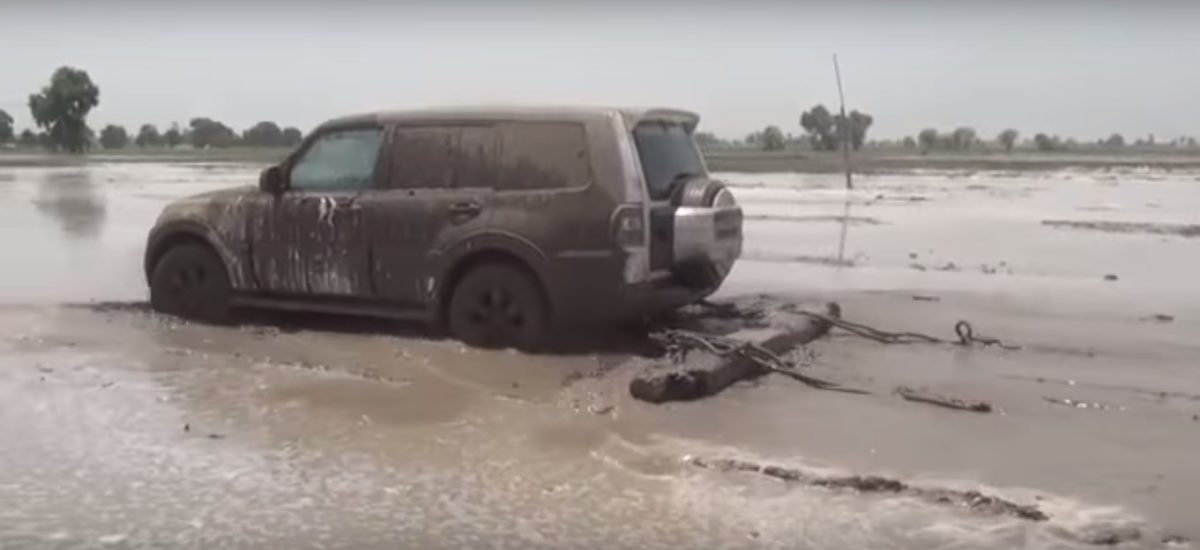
x=1081 y=69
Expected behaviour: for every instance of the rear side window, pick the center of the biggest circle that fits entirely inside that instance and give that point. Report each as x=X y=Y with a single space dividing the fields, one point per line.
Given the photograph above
x=342 y=159
x=443 y=157
x=668 y=155
x=543 y=155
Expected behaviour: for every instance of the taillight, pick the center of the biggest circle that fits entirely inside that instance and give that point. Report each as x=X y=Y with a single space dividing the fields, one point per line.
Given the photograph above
x=629 y=227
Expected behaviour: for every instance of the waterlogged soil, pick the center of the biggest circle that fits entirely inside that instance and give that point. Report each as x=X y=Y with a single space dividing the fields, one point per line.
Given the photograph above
x=127 y=429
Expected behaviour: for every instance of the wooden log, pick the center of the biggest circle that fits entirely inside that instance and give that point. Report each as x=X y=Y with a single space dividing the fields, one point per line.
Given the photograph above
x=705 y=374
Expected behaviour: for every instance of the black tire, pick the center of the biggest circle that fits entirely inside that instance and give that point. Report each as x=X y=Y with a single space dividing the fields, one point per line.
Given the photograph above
x=190 y=281
x=498 y=305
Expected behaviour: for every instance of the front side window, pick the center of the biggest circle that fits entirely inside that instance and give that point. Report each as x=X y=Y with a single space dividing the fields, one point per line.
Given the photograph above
x=339 y=160
x=669 y=156
x=543 y=155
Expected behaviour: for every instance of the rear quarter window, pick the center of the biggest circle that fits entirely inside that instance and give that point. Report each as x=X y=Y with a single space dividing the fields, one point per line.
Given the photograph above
x=543 y=155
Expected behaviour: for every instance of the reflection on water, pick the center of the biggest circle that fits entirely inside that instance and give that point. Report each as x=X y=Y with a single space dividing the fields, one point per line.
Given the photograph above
x=71 y=197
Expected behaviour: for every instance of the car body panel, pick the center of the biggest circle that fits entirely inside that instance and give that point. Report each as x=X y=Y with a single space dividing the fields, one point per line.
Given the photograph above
x=400 y=248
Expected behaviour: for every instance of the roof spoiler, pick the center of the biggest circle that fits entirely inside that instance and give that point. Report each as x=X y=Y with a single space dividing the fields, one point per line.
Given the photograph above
x=687 y=118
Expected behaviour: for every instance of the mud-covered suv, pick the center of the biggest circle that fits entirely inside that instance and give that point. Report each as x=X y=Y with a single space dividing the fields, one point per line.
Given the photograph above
x=499 y=223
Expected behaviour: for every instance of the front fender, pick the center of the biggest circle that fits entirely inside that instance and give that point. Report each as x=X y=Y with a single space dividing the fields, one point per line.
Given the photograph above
x=163 y=236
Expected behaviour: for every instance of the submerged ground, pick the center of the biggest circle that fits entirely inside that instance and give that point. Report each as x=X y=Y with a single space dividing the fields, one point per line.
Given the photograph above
x=126 y=429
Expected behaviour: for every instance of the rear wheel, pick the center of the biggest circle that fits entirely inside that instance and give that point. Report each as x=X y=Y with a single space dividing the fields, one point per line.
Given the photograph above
x=190 y=281
x=498 y=305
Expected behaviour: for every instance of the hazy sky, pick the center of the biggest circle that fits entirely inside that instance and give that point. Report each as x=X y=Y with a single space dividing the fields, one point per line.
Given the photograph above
x=1078 y=68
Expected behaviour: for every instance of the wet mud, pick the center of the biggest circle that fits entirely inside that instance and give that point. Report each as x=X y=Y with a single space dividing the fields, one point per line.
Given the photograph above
x=126 y=428
x=1179 y=230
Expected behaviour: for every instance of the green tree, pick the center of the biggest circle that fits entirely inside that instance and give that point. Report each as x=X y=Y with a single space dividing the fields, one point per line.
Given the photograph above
x=856 y=130
x=818 y=123
x=62 y=108
x=1008 y=139
x=1044 y=142
x=707 y=139
x=210 y=133
x=6 y=127
x=148 y=136
x=263 y=134
x=928 y=138
x=772 y=139
x=173 y=136
x=114 y=137
x=27 y=138
x=962 y=138
x=1115 y=141
x=292 y=136
x=909 y=143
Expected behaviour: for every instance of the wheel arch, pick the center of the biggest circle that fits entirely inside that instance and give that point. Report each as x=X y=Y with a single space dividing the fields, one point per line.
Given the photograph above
x=501 y=248
x=174 y=234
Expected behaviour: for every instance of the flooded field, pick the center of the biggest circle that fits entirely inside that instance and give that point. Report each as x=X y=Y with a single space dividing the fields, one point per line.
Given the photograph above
x=126 y=429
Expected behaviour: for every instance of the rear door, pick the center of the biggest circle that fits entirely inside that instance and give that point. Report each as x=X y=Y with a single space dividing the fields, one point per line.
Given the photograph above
x=438 y=190
x=310 y=239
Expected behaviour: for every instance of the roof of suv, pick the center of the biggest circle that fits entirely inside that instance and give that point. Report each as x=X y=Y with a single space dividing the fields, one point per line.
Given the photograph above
x=632 y=116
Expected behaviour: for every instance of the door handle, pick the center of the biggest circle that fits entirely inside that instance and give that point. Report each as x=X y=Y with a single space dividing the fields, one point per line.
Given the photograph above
x=465 y=208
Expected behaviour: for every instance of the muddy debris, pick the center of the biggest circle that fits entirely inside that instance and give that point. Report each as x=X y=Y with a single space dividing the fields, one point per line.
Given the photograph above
x=1111 y=277
x=725 y=360
x=1112 y=536
x=972 y=500
x=1180 y=230
x=1158 y=318
x=925 y=298
x=1175 y=540
x=947 y=402
x=1083 y=405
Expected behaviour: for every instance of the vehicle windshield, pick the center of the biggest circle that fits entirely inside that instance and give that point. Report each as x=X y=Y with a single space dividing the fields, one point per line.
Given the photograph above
x=669 y=156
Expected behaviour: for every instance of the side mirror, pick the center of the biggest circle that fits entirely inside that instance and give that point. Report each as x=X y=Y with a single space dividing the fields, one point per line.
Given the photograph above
x=271 y=181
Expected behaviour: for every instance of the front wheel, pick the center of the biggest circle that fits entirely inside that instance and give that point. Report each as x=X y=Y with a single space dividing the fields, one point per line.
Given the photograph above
x=190 y=281
x=498 y=305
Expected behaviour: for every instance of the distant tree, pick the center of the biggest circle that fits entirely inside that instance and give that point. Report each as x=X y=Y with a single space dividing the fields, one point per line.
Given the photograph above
x=173 y=136
x=707 y=139
x=6 y=127
x=263 y=134
x=113 y=137
x=962 y=138
x=292 y=136
x=909 y=143
x=1115 y=141
x=772 y=139
x=928 y=138
x=819 y=124
x=28 y=138
x=210 y=133
x=1191 y=142
x=1008 y=139
x=1044 y=142
x=62 y=108
x=753 y=138
x=148 y=136
x=857 y=129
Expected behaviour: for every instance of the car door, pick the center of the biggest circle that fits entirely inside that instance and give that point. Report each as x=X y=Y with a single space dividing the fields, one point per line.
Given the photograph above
x=438 y=191
x=310 y=239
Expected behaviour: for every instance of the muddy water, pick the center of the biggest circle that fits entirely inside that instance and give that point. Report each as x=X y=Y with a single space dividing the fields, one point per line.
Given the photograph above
x=126 y=429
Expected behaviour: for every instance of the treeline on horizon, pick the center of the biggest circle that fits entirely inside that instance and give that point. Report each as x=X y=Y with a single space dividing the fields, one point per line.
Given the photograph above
x=60 y=111
x=824 y=131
